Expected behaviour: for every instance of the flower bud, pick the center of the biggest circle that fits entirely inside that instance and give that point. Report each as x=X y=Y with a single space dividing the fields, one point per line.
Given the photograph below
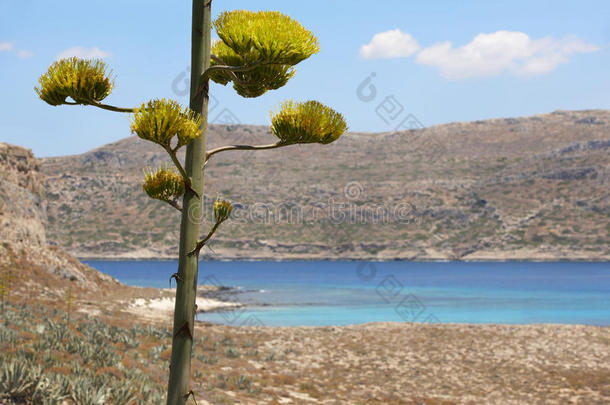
x=222 y=210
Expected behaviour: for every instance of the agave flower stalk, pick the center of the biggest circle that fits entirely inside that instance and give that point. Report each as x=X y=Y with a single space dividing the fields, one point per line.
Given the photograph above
x=186 y=290
x=257 y=52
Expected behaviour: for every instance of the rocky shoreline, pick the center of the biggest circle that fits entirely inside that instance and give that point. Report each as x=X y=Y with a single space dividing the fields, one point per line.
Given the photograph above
x=273 y=258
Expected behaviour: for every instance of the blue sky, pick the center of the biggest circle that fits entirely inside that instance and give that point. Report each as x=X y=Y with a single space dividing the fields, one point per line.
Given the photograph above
x=440 y=61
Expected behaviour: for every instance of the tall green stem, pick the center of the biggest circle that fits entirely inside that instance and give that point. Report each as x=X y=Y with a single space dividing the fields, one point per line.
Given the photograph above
x=184 y=312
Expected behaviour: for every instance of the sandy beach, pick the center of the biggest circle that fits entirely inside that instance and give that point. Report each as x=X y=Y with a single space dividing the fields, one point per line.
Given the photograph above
x=160 y=306
x=400 y=363
x=392 y=363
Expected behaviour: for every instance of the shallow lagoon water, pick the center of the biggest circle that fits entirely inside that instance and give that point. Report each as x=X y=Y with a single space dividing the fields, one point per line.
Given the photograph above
x=319 y=293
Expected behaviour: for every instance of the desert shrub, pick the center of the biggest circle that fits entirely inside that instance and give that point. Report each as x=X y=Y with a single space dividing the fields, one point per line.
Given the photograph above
x=85 y=393
x=82 y=361
x=22 y=381
x=232 y=353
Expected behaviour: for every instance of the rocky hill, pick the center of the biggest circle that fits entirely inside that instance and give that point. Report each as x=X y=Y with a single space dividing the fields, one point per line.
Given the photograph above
x=29 y=267
x=22 y=201
x=515 y=188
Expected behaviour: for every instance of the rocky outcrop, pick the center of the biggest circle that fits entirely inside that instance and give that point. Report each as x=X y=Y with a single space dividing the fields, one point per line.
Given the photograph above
x=23 y=245
x=22 y=203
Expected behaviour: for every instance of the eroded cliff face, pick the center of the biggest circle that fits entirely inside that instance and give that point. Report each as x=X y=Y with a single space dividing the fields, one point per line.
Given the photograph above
x=22 y=204
x=35 y=266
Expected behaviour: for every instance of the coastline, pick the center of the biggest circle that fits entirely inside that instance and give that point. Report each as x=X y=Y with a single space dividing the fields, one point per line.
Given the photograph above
x=373 y=363
x=448 y=363
x=216 y=296
x=374 y=259
x=158 y=305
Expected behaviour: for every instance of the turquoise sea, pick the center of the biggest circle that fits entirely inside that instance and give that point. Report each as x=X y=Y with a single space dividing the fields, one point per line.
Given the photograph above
x=342 y=293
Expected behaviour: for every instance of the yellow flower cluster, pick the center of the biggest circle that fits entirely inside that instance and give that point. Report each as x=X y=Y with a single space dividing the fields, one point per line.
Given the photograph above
x=163 y=184
x=84 y=81
x=268 y=40
x=308 y=122
x=266 y=35
x=159 y=121
x=254 y=82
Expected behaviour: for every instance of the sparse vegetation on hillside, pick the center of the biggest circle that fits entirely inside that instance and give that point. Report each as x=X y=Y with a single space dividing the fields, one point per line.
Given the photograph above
x=533 y=187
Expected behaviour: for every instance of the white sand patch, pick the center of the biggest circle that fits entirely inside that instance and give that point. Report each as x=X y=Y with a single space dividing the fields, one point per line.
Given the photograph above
x=166 y=304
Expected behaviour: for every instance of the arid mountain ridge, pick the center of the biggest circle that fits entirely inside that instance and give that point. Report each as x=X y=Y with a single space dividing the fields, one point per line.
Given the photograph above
x=532 y=188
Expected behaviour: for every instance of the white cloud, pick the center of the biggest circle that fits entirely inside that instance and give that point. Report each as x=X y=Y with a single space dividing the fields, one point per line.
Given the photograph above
x=502 y=52
x=6 y=46
x=390 y=44
x=488 y=54
x=24 y=54
x=82 y=52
